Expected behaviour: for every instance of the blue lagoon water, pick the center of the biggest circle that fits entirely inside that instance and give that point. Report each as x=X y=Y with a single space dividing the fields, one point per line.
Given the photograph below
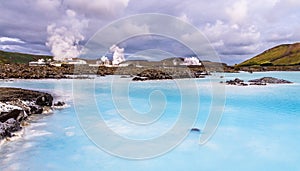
x=259 y=129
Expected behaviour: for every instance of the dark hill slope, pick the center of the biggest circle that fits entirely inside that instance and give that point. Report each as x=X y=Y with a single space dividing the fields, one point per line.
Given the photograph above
x=20 y=58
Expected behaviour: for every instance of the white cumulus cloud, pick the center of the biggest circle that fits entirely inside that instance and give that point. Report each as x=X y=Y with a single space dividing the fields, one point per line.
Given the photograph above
x=10 y=39
x=238 y=11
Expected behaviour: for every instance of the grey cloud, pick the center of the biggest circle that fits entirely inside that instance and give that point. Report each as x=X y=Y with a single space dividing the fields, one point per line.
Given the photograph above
x=275 y=22
x=108 y=9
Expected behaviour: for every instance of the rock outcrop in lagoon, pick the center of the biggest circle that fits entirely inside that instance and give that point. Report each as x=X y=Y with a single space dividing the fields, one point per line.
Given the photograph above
x=261 y=81
x=16 y=105
x=195 y=130
x=168 y=73
x=236 y=81
x=270 y=80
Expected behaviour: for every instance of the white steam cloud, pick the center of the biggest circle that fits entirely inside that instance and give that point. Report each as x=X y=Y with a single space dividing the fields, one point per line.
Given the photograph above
x=64 y=40
x=191 y=61
x=104 y=60
x=118 y=54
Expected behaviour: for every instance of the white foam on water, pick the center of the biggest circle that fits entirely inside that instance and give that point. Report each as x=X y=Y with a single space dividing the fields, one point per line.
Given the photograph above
x=16 y=135
x=36 y=133
x=4 y=107
x=69 y=133
x=37 y=124
x=47 y=111
x=61 y=107
x=14 y=167
x=70 y=127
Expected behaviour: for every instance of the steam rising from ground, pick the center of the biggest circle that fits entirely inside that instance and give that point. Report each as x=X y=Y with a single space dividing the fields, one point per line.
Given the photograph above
x=104 y=60
x=192 y=61
x=64 y=40
x=118 y=54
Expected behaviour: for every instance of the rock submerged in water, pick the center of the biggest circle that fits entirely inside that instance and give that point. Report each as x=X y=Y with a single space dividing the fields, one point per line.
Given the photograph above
x=195 y=130
x=139 y=79
x=59 y=105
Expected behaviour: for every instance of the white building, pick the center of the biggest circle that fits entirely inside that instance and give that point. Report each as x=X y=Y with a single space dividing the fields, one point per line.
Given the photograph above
x=40 y=62
x=69 y=61
x=75 y=62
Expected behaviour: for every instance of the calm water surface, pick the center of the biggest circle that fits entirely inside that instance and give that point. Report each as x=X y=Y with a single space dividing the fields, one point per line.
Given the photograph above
x=259 y=130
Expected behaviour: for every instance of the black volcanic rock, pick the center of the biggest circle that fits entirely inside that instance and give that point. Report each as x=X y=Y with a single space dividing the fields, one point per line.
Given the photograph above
x=12 y=94
x=15 y=114
x=152 y=74
x=236 y=81
x=59 y=103
x=195 y=130
x=12 y=125
x=270 y=80
x=8 y=127
x=17 y=104
x=258 y=83
x=69 y=71
x=36 y=109
x=139 y=79
x=44 y=100
x=261 y=81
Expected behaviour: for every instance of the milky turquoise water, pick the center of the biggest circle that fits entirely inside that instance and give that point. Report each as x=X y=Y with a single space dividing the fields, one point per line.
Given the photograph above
x=259 y=130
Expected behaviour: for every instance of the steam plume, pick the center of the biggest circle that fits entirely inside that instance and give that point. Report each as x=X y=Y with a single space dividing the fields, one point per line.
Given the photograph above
x=192 y=61
x=64 y=40
x=118 y=54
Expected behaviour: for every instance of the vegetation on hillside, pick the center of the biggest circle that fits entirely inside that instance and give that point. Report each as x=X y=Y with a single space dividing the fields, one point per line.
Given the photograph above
x=20 y=58
x=287 y=54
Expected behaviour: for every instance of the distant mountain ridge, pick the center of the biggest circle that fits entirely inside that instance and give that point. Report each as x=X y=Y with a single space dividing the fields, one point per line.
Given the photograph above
x=282 y=55
x=20 y=58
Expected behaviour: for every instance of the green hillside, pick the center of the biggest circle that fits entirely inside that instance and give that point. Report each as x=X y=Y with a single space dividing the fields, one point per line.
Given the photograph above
x=20 y=58
x=287 y=54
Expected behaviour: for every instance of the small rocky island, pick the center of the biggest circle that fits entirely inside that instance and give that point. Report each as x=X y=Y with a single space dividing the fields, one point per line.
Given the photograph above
x=269 y=80
x=166 y=74
x=261 y=81
x=16 y=105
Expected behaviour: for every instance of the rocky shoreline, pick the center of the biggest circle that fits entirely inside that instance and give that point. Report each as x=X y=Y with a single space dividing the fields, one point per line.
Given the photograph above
x=68 y=71
x=267 y=68
x=16 y=106
x=23 y=71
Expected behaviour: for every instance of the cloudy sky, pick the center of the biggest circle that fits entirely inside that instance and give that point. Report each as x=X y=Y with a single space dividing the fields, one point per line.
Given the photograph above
x=237 y=29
